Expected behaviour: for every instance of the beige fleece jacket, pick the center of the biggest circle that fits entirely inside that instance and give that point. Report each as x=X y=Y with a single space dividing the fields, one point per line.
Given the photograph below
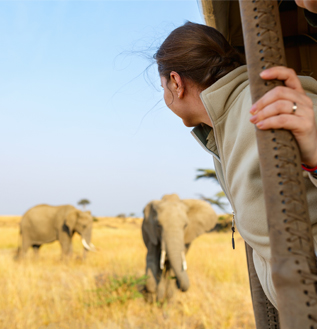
x=232 y=142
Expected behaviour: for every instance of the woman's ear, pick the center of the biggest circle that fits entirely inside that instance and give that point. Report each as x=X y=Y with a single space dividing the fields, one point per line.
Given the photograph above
x=177 y=84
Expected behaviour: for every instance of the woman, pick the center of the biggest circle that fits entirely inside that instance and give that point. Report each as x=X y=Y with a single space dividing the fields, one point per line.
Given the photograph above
x=205 y=83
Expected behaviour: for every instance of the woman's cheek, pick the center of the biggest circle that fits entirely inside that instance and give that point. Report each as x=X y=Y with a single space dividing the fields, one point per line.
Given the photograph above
x=167 y=98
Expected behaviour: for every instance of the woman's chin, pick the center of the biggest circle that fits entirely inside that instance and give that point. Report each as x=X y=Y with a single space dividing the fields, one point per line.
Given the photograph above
x=189 y=124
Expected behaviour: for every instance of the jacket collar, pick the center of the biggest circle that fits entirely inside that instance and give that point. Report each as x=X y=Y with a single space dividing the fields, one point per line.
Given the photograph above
x=219 y=97
x=217 y=100
x=205 y=137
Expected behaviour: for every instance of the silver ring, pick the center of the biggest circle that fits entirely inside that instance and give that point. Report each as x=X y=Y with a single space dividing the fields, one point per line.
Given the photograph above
x=294 y=108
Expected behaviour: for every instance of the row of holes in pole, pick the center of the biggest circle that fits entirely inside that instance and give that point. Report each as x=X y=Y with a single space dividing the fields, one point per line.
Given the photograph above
x=281 y=183
x=299 y=271
x=276 y=157
x=305 y=291
x=259 y=42
x=303 y=282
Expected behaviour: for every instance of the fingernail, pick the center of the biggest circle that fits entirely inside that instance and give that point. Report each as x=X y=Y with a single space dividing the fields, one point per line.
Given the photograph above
x=253 y=118
x=253 y=109
x=264 y=72
x=259 y=124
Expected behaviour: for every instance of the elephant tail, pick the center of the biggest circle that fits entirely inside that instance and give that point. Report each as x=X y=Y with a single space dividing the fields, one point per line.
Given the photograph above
x=18 y=253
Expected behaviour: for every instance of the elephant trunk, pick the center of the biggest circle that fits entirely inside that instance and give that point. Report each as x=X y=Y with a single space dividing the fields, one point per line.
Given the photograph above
x=175 y=252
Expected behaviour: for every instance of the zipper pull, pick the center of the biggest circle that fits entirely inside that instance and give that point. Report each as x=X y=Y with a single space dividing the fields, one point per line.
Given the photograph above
x=233 y=230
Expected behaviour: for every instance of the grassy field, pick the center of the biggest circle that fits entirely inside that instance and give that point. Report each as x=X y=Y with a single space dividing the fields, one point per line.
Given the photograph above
x=102 y=291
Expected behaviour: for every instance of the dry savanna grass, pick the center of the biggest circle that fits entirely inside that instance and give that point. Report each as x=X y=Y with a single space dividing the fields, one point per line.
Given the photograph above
x=103 y=291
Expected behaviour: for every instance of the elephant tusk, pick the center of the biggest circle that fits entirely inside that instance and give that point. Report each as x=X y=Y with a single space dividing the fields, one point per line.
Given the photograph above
x=184 y=261
x=86 y=245
x=162 y=260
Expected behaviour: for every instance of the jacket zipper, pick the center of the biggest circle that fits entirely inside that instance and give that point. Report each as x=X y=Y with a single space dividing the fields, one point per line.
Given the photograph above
x=233 y=212
x=233 y=230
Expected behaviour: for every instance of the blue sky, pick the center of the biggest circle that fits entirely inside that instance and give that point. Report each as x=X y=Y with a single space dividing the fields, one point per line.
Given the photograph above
x=80 y=118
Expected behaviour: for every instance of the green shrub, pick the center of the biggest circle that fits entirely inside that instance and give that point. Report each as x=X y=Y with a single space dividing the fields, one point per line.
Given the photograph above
x=117 y=290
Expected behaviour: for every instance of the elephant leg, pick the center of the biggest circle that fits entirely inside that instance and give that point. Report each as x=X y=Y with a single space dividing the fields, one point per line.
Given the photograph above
x=150 y=281
x=170 y=283
x=25 y=245
x=167 y=285
x=152 y=272
x=161 y=287
x=66 y=245
x=150 y=286
x=67 y=250
x=36 y=248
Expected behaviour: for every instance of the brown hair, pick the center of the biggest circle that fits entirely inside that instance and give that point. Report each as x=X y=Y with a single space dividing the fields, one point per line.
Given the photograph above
x=197 y=52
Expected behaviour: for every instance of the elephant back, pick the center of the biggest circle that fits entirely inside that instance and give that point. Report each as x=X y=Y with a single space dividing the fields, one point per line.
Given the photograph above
x=43 y=212
x=38 y=224
x=171 y=197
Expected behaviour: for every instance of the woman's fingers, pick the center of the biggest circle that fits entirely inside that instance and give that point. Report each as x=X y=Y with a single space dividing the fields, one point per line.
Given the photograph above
x=285 y=121
x=285 y=74
x=292 y=91
x=303 y=129
x=285 y=114
x=277 y=108
x=278 y=94
x=288 y=107
x=310 y=5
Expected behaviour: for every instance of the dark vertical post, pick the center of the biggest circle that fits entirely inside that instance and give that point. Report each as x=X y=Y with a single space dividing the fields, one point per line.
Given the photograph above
x=266 y=315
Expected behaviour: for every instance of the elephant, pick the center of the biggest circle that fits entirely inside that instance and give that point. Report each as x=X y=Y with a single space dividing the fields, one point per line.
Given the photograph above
x=44 y=224
x=168 y=228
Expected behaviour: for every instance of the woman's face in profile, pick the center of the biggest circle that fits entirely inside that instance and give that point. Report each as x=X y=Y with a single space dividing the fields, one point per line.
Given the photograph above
x=186 y=105
x=175 y=104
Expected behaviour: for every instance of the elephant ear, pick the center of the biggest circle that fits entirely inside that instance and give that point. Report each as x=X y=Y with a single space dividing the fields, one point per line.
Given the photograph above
x=149 y=223
x=202 y=218
x=71 y=219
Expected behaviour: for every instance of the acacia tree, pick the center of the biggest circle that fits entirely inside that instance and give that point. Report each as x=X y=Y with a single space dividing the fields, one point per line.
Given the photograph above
x=219 y=199
x=83 y=202
x=207 y=173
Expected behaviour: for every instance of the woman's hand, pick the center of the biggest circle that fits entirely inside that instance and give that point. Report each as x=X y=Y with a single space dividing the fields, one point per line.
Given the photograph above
x=288 y=107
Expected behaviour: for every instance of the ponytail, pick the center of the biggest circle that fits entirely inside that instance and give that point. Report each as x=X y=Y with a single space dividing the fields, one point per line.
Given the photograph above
x=197 y=52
